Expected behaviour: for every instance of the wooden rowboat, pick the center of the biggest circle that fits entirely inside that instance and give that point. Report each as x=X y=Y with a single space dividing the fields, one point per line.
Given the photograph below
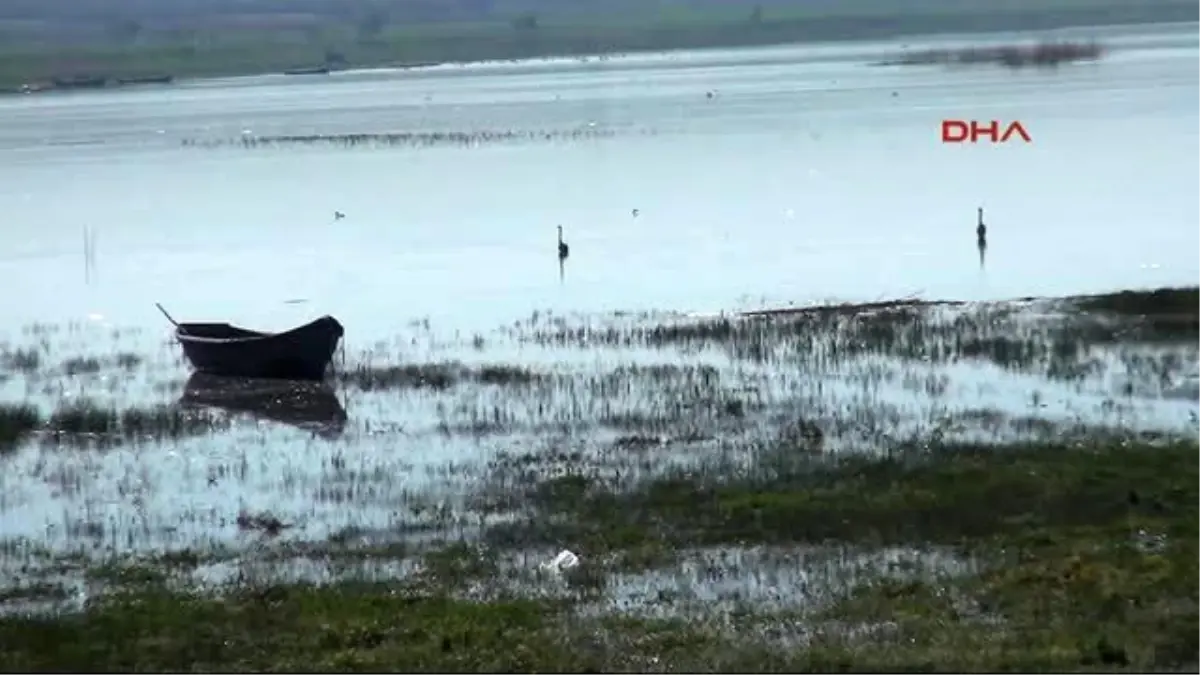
x=302 y=353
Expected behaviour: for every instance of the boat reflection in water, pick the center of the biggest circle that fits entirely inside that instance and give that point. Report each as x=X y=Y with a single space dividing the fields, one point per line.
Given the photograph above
x=312 y=406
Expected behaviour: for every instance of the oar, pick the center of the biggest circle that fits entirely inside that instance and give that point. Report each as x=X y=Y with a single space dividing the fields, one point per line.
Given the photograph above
x=173 y=321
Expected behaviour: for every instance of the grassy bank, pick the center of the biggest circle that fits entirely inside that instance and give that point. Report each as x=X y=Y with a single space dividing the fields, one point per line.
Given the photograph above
x=1088 y=561
x=239 y=52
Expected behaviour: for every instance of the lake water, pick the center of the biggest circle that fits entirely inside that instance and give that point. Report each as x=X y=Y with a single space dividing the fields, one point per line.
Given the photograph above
x=807 y=176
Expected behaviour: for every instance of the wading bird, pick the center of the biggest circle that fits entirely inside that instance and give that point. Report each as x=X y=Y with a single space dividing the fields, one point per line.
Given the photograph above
x=563 y=249
x=981 y=238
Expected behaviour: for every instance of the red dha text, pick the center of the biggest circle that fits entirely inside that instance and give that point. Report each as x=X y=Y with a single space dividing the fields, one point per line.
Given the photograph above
x=970 y=131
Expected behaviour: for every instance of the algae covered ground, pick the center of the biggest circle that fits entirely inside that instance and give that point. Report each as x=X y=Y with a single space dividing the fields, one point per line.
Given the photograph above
x=898 y=486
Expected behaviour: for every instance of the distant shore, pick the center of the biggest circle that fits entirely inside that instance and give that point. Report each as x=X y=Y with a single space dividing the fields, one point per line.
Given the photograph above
x=160 y=62
x=1045 y=54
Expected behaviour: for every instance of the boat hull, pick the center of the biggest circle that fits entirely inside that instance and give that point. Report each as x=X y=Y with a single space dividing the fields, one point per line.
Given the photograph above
x=302 y=353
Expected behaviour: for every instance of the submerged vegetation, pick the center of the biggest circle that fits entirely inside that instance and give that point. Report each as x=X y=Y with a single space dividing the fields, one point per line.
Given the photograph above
x=894 y=486
x=89 y=422
x=412 y=139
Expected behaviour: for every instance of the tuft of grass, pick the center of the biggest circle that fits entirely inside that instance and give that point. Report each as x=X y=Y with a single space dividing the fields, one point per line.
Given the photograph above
x=85 y=417
x=81 y=365
x=24 y=360
x=127 y=360
x=263 y=522
x=438 y=376
x=16 y=422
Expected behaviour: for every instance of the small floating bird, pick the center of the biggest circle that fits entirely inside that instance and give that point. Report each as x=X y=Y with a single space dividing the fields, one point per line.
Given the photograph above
x=338 y=215
x=563 y=249
x=635 y=213
x=981 y=229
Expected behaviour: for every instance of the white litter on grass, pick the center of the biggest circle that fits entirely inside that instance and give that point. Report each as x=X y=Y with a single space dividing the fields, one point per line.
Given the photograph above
x=562 y=562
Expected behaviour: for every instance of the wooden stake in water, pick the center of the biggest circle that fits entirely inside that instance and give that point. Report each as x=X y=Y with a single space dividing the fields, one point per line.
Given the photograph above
x=89 y=253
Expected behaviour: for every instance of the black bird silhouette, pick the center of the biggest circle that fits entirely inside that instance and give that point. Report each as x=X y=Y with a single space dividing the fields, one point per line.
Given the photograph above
x=338 y=215
x=563 y=249
x=981 y=238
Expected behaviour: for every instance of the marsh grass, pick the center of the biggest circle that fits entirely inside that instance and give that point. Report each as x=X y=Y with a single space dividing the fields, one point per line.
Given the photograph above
x=437 y=376
x=1165 y=314
x=1061 y=346
x=90 y=364
x=17 y=421
x=1078 y=600
x=1182 y=301
x=363 y=627
x=410 y=139
x=86 y=420
x=40 y=365
x=1075 y=551
x=1091 y=565
x=22 y=359
x=944 y=495
x=81 y=365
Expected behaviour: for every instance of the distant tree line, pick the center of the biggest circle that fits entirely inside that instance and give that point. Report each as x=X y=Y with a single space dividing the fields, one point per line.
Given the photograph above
x=420 y=10
x=151 y=9
x=131 y=21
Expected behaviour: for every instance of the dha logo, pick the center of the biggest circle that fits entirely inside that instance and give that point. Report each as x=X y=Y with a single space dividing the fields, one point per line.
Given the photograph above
x=970 y=131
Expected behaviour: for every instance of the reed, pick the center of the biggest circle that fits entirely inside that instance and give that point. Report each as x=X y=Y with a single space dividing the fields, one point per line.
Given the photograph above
x=17 y=421
x=413 y=139
x=86 y=421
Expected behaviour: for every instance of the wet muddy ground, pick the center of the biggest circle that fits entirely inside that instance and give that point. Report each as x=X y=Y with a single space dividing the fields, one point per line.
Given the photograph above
x=810 y=488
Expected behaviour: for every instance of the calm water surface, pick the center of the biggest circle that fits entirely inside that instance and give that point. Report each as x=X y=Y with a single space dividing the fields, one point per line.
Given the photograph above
x=807 y=176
